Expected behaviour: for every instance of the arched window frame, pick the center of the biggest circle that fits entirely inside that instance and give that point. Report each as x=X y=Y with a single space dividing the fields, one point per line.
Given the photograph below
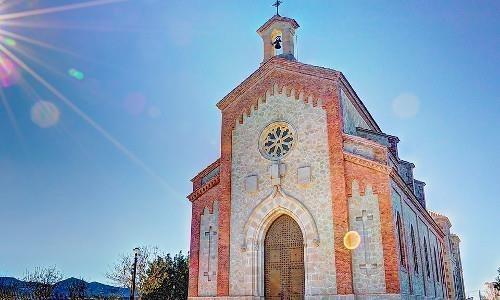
x=436 y=265
x=426 y=252
x=414 y=250
x=402 y=247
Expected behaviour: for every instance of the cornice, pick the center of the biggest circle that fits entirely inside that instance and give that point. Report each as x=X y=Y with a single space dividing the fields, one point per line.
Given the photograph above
x=436 y=215
x=203 y=189
x=361 y=140
x=207 y=170
x=413 y=199
x=359 y=160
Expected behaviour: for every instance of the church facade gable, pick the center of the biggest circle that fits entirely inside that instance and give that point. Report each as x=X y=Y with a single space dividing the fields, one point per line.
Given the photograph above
x=311 y=204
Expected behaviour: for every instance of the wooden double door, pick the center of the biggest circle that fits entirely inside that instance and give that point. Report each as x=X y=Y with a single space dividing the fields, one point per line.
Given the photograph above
x=284 y=274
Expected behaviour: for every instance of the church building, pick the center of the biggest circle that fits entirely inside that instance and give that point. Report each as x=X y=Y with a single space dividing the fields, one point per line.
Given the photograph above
x=309 y=198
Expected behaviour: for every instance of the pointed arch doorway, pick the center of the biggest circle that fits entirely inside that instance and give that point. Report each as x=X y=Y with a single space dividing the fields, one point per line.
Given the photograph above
x=284 y=274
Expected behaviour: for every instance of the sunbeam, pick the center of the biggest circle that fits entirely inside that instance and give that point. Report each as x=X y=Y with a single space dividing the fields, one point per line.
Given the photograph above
x=86 y=118
x=11 y=117
x=51 y=10
x=45 y=113
x=35 y=42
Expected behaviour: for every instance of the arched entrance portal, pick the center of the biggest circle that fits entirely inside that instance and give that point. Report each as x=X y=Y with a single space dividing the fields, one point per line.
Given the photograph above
x=284 y=260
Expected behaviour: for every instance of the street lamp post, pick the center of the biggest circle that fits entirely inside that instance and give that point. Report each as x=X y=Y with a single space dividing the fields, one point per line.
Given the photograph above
x=134 y=270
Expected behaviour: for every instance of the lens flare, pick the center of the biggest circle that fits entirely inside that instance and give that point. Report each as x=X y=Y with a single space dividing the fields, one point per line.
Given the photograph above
x=76 y=74
x=9 y=74
x=406 y=105
x=45 y=114
x=9 y=42
x=135 y=103
x=352 y=239
x=154 y=112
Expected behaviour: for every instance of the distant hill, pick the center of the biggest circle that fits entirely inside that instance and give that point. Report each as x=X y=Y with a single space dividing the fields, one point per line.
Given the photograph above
x=93 y=289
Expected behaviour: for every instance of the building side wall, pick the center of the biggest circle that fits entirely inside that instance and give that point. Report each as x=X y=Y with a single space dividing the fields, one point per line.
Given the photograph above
x=416 y=279
x=310 y=150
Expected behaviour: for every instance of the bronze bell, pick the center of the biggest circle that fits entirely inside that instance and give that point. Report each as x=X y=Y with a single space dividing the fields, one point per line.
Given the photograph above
x=277 y=42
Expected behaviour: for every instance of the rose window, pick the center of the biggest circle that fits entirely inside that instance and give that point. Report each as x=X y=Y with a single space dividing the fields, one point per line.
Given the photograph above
x=277 y=140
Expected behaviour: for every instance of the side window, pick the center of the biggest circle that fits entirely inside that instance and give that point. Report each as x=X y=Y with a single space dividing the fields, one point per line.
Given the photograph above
x=414 y=250
x=426 y=253
x=401 y=238
x=436 y=265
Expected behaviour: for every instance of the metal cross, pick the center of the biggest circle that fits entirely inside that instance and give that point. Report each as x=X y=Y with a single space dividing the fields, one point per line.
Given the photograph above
x=277 y=5
x=209 y=234
x=365 y=217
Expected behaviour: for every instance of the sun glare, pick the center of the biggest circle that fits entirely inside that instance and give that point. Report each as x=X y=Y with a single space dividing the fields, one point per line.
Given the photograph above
x=15 y=70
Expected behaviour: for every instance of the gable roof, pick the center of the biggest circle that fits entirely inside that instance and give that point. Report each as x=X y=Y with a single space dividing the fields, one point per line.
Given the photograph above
x=278 y=62
x=278 y=18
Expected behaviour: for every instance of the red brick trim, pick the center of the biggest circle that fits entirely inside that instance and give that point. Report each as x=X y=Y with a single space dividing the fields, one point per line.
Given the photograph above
x=225 y=205
x=198 y=178
x=343 y=258
x=211 y=183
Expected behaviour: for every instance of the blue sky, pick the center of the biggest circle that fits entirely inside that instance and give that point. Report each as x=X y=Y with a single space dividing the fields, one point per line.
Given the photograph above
x=154 y=71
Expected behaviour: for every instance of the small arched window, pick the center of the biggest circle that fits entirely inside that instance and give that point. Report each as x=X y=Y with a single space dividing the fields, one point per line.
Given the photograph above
x=401 y=238
x=436 y=265
x=426 y=253
x=414 y=250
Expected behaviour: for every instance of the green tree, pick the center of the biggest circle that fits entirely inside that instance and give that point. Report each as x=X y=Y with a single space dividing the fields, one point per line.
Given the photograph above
x=167 y=278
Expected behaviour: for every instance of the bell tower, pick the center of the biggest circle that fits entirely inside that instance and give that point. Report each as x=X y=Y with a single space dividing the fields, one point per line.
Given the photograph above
x=278 y=37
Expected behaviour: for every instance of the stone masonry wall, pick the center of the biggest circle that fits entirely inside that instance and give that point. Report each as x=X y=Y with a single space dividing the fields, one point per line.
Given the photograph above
x=310 y=150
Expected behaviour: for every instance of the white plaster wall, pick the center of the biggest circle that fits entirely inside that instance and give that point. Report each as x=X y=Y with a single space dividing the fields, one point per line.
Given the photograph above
x=207 y=282
x=310 y=149
x=370 y=251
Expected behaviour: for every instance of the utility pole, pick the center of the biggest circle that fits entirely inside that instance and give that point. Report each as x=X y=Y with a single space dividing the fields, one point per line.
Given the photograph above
x=134 y=270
